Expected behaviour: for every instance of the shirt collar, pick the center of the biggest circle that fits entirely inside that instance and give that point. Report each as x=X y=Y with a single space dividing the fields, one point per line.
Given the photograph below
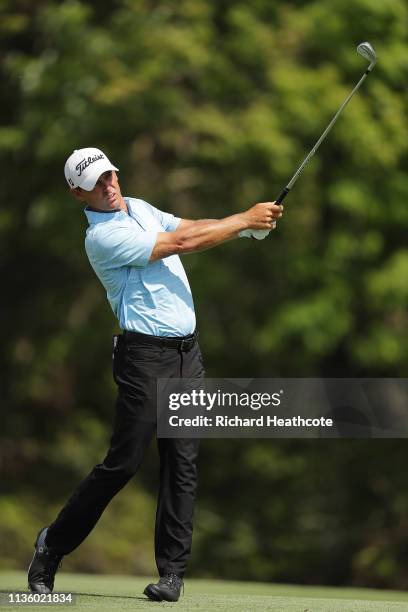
x=101 y=217
x=129 y=204
x=135 y=212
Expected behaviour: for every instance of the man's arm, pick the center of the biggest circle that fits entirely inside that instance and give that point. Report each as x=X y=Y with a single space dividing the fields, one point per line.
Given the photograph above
x=188 y=223
x=192 y=236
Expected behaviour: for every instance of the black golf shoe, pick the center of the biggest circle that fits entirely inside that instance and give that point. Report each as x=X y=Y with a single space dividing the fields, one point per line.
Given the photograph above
x=44 y=565
x=167 y=589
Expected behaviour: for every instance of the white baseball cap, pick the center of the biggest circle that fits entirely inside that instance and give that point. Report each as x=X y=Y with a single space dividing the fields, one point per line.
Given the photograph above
x=85 y=166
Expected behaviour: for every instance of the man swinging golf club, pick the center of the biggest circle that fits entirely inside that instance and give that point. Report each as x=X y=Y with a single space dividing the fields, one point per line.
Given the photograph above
x=134 y=249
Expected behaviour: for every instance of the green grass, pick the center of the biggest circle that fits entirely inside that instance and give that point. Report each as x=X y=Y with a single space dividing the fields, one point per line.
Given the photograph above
x=100 y=593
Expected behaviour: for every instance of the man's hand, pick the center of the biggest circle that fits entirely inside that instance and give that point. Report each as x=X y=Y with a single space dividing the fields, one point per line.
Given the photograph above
x=264 y=213
x=262 y=216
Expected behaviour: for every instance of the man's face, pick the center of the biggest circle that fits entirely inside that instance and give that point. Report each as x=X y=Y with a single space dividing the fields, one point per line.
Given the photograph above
x=106 y=194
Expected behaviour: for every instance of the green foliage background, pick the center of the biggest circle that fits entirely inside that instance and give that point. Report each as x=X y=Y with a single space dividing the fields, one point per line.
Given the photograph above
x=208 y=107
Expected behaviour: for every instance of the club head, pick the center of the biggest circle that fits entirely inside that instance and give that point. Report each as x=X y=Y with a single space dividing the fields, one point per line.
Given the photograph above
x=367 y=51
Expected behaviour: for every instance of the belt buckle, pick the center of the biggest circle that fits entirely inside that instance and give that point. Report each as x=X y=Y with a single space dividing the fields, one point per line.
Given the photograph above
x=182 y=345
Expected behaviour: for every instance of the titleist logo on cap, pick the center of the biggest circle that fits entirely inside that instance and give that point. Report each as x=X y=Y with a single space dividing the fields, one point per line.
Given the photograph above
x=84 y=163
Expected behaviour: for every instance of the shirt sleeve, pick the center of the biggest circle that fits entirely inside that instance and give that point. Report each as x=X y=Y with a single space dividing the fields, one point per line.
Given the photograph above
x=168 y=221
x=121 y=246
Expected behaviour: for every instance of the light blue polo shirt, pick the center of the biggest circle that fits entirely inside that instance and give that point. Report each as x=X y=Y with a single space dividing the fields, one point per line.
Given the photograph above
x=148 y=297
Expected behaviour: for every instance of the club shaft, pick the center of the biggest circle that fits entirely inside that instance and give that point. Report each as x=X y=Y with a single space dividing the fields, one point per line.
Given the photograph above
x=294 y=178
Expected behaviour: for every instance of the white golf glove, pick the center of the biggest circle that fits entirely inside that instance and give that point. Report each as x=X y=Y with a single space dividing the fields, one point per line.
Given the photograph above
x=257 y=234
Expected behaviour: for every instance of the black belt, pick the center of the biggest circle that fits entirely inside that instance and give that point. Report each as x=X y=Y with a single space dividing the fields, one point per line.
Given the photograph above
x=182 y=343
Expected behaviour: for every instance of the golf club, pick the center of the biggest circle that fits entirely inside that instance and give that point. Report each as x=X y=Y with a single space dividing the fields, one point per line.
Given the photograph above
x=367 y=51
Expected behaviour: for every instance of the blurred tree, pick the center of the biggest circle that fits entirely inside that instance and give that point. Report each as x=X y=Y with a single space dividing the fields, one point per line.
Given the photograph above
x=207 y=108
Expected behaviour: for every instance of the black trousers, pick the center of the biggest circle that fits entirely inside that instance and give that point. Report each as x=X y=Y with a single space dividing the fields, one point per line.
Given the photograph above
x=137 y=363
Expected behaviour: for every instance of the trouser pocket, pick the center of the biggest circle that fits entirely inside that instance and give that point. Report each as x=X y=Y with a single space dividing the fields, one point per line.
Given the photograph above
x=117 y=343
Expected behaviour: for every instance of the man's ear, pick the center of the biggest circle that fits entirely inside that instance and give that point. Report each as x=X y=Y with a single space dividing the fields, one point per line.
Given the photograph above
x=77 y=193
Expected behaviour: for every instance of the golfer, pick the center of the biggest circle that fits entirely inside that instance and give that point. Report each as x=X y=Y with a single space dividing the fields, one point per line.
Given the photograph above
x=134 y=249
